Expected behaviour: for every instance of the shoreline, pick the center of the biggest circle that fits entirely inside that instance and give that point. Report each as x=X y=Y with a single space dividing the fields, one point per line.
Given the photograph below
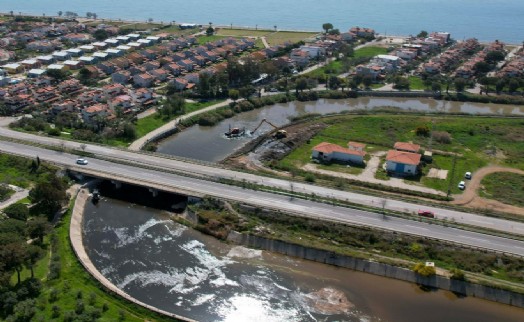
x=223 y=26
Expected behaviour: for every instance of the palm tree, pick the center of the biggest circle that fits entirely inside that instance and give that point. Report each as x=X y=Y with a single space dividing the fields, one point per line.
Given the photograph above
x=275 y=26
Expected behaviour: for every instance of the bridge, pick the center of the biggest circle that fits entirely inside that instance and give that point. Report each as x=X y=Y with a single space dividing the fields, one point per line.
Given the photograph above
x=193 y=179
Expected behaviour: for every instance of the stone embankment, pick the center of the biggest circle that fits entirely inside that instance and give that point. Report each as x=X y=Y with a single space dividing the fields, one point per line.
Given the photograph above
x=75 y=235
x=327 y=257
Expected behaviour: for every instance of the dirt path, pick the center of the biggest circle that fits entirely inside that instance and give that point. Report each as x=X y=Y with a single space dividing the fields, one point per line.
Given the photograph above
x=470 y=197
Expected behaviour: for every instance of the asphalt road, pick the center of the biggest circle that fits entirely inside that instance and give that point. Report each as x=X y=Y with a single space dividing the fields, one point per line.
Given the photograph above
x=207 y=170
x=268 y=200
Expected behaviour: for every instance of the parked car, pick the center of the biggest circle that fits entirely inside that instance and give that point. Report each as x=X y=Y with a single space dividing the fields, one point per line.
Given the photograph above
x=468 y=175
x=426 y=213
x=81 y=161
x=462 y=185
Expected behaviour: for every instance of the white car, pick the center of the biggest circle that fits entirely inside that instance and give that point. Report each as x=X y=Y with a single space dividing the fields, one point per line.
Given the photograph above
x=462 y=185
x=81 y=161
x=468 y=175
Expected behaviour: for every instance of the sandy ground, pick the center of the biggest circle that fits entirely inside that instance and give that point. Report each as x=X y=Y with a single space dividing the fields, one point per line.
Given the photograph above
x=471 y=199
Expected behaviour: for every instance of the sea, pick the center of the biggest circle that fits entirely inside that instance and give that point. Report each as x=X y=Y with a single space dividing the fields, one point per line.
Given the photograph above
x=486 y=20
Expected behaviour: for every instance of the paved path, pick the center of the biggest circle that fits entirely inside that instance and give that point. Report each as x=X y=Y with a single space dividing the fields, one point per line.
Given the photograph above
x=264 y=41
x=75 y=234
x=138 y=144
x=20 y=193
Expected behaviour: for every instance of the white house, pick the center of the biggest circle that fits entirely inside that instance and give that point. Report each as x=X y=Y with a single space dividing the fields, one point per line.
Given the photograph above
x=331 y=152
x=401 y=162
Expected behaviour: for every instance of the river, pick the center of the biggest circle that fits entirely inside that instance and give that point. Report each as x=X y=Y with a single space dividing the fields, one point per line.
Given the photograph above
x=208 y=143
x=179 y=270
x=486 y=20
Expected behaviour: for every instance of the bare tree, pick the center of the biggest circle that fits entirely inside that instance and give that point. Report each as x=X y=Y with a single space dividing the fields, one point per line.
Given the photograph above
x=83 y=146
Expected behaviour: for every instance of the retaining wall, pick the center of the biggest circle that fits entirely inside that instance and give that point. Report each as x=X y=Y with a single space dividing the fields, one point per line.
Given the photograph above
x=361 y=265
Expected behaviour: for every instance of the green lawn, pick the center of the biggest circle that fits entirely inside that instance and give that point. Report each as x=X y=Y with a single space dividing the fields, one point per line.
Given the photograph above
x=476 y=140
x=505 y=187
x=416 y=83
x=226 y=32
x=335 y=68
x=281 y=37
x=370 y=51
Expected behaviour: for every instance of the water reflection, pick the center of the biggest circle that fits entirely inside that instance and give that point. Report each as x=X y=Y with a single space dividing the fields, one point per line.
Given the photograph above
x=209 y=143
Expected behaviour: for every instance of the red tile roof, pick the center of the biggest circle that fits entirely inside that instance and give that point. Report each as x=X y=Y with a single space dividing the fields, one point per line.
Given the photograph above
x=328 y=148
x=403 y=157
x=407 y=146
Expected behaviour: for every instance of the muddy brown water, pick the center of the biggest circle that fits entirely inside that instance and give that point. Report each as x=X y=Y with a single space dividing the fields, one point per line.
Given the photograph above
x=180 y=270
x=208 y=143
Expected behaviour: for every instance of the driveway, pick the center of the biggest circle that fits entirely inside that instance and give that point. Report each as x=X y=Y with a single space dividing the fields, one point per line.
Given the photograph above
x=20 y=193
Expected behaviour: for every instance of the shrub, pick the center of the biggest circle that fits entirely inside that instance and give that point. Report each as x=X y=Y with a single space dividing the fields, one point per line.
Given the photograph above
x=17 y=211
x=424 y=270
x=422 y=130
x=441 y=137
x=309 y=177
x=457 y=274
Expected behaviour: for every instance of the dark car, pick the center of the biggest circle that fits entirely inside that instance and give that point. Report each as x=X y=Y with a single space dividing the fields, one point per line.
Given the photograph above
x=426 y=213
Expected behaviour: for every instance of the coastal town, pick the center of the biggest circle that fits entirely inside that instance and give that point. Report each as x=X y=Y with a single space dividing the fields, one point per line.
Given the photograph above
x=398 y=156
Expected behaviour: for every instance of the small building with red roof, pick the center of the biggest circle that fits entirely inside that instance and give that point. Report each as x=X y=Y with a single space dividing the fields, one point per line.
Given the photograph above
x=403 y=163
x=328 y=152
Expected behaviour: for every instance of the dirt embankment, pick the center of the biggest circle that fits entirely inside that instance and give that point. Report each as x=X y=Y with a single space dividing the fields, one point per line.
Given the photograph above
x=470 y=197
x=267 y=147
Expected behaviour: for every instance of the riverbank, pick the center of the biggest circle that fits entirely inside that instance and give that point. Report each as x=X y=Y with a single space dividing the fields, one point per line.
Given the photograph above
x=75 y=235
x=359 y=249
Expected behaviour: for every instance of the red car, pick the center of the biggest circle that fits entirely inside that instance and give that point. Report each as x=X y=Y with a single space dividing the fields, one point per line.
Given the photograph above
x=426 y=213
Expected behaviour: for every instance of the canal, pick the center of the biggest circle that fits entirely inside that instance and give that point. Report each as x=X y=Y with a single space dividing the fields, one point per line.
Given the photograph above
x=164 y=264
x=208 y=143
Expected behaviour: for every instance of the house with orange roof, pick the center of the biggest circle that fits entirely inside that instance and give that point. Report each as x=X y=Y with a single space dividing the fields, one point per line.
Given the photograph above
x=329 y=152
x=403 y=163
x=407 y=147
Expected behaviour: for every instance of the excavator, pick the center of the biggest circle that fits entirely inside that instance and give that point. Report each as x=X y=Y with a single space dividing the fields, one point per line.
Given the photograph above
x=280 y=134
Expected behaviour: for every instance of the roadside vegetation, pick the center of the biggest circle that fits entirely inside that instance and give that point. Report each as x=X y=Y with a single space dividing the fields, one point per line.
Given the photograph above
x=505 y=187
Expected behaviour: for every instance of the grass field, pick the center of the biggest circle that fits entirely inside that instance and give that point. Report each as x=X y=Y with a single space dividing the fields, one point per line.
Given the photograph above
x=416 y=83
x=335 y=67
x=505 y=187
x=370 y=51
x=272 y=37
x=477 y=141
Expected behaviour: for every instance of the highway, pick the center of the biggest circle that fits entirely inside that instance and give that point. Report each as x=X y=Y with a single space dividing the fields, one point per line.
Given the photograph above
x=285 y=204
x=209 y=171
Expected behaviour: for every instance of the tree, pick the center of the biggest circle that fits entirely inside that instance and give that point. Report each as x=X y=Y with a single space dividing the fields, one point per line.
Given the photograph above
x=94 y=15
x=89 y=14
x=57 y=74
x=300 y=84
x=25 y=310
x=367 y=81
x=494 y=56
x=17 y=211
x=401 y=83
x=49 y=194
x=499 y=86
x=129 y=131
x=482 y=67
x=100 y=34
x=233 y=94
x=210 y=31
x=334 y=82
x=513 y=85
x=436 y=86
x=327 y=26
x=150 y=20
x=34 y=253
x=38 y=228
x=422 y=34
x=60 y=13
x=460 y=84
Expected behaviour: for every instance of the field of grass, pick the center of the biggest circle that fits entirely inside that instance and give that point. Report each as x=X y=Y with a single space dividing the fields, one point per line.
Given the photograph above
x=370 y=51
x=281 y=37
x=416 y=83
x=335 y=67
x=226 y=32
x=477 y=141
x=16 y=171
x=175 y=30
x=272 y=37
x=505 y=187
